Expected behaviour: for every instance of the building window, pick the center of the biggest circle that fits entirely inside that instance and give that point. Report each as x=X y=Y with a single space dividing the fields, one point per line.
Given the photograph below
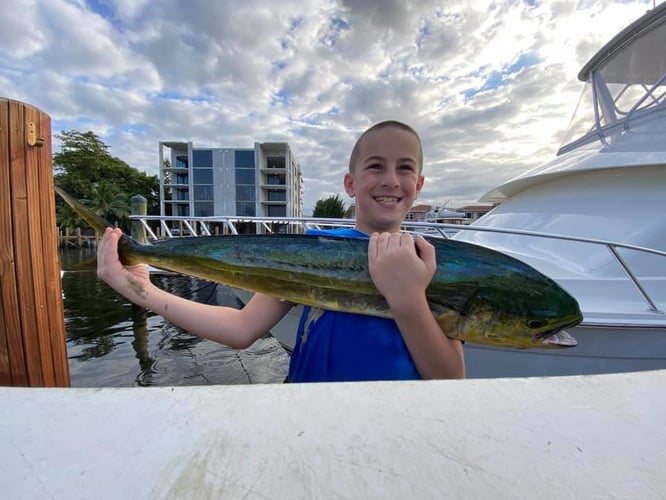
x=245 y=176
x=245 y=209
x=181 y=179
x=276 y=195
x=181 y=161
x=202 y=158
x=245 y=193
x=203 y=209
x=275 y=180
x=202 y=175
x=277 y=211
x=244 y=159
x=275 y=161
x=203 y=193
x=245 y=183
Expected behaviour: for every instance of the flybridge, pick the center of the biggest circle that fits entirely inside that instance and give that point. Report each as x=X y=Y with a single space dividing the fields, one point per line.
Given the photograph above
x=625 y=89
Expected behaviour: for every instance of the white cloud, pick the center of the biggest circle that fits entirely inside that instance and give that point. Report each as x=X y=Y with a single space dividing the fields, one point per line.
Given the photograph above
x=490 y=86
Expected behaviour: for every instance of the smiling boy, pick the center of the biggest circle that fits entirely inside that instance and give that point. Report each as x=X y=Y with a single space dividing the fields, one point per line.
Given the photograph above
x=385 y=177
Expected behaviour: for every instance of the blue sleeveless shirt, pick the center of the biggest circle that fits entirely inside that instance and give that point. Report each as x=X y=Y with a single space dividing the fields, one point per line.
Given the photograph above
x=334 y=346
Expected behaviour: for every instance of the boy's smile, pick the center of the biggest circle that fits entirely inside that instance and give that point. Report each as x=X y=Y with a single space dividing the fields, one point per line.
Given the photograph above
x=385 y=180
x=389 y=201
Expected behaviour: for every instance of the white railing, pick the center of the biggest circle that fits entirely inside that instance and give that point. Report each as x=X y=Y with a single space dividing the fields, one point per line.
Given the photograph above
x=174 y=226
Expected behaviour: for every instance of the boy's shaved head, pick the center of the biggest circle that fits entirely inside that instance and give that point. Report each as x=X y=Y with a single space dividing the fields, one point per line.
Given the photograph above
x=378 y=126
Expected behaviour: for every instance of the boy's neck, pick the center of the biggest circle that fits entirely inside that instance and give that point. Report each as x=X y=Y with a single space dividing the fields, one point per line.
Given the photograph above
x=369 y=230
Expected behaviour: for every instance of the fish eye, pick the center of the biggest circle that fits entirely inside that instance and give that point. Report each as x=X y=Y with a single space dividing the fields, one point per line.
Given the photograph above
x=535 y=323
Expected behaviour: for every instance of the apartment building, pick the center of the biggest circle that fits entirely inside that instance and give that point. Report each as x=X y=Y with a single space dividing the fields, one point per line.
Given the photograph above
x=263 y=181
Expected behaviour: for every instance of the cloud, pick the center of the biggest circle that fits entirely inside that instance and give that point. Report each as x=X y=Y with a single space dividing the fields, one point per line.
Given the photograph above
x=490 y=86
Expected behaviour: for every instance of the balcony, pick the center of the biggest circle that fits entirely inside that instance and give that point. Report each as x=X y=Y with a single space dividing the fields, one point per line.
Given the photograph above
x=275 y=180
x=273 y=163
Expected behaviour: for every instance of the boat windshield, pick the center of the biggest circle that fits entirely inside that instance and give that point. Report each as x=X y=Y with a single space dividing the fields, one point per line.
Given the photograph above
x=625 y=81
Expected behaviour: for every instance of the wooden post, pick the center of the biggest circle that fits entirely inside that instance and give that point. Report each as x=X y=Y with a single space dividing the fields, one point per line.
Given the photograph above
x=32 y=327
x=138 y=206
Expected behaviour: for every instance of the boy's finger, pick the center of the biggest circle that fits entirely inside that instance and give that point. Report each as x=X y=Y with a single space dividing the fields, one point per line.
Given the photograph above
x=425 y=250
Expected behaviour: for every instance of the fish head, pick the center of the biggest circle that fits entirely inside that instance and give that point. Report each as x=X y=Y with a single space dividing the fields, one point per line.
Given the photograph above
x=518 y=320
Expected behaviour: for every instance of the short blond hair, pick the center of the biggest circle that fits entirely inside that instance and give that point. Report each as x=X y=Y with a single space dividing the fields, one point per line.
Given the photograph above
x=378 y=126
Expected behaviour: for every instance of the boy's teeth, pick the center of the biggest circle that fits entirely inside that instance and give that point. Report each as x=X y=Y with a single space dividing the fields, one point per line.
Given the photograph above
x=386 y=199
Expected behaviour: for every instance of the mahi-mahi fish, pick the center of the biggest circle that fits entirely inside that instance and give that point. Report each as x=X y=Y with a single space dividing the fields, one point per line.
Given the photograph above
x=477 y=294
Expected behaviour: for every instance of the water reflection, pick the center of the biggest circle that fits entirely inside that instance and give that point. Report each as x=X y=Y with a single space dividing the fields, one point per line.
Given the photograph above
x=112 y=343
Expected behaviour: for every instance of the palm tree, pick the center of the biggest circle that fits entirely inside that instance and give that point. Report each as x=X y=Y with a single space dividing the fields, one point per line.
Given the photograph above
x=109 y=202
x=67 y=218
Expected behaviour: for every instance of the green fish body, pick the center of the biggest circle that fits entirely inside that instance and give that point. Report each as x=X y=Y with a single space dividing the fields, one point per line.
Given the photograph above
x=477 y=294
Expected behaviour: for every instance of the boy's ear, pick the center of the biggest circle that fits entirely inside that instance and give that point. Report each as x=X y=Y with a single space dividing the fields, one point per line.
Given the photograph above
x=419 y=184
x=349 y=184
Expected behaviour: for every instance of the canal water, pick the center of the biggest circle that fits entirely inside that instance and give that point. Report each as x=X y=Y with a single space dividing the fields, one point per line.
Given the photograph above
x=110 y=343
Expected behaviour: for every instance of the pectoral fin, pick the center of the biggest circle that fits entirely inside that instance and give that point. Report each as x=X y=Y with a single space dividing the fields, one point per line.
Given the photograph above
x=450 y=323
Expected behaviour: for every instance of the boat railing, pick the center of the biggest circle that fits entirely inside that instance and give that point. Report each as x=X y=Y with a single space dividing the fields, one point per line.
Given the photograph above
x=201 y=226
x=657 y=100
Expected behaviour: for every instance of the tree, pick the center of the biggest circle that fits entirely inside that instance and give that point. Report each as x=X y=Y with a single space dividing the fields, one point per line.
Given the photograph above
x=67 y=218
x=84 y=168
x=83 y=160
x=331 y=208
x=109 y=202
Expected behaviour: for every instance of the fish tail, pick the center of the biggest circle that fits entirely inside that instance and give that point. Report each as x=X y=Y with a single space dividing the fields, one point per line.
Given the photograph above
x=128 y=247
x=95 y=221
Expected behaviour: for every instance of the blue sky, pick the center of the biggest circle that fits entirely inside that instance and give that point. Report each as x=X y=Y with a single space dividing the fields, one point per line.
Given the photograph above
x=490 y=86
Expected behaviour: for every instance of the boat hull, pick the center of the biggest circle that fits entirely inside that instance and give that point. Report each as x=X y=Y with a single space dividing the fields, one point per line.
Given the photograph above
x=621 y=330
x=600 y=350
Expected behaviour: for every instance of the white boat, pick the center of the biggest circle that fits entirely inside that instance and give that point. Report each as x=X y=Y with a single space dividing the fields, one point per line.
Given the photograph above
x=607 y=182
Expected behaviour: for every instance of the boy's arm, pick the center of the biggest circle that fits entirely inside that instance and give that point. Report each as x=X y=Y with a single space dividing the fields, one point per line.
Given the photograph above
x=402 y=277
x=233 y=327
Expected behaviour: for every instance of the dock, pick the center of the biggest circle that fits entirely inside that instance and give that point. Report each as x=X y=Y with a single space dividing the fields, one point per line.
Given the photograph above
x=76 y=239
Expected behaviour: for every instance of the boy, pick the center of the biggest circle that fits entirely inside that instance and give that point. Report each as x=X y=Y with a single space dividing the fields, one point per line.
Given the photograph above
x=385 y=177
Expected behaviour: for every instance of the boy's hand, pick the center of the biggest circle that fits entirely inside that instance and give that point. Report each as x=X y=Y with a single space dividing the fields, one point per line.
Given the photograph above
x=399 y=273
x=130 y=281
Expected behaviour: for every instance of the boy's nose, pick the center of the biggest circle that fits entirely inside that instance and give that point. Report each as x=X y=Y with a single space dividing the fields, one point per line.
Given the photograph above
x=390 y=177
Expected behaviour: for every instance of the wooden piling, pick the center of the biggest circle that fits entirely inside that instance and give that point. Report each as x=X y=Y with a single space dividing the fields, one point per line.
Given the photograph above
x=138 y=206
x=32 y=328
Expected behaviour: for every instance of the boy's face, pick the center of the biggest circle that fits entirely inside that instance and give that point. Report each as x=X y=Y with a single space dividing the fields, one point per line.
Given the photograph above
x=385 y=180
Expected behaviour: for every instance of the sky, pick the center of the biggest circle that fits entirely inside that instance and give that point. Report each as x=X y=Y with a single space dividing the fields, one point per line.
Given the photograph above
x=489 y=85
